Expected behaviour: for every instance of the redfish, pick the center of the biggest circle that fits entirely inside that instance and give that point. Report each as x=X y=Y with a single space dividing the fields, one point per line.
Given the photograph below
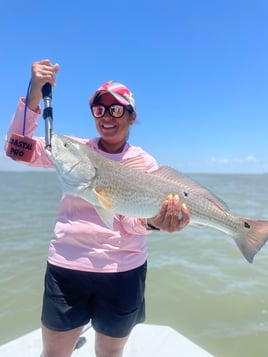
x=124 y=188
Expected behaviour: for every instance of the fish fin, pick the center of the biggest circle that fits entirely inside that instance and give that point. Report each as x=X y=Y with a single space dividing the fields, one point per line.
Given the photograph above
x=189 y=185
x=255 y=236
x=106 y=216
x=136 y=163
x=106 y=211
x=103 y=201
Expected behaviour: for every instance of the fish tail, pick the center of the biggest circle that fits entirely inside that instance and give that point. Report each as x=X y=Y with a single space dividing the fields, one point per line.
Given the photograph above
x=254 y=237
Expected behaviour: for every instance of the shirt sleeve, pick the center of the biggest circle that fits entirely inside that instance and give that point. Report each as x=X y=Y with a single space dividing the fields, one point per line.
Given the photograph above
x=133 y=225
x=16 y=125
x=39 y=158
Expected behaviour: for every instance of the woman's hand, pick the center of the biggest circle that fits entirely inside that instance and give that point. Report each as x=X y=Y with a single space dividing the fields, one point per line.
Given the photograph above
x=42 y=72
x=173 y=215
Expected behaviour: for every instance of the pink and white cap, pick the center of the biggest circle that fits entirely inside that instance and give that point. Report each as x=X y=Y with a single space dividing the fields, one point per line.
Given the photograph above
x=119 y=91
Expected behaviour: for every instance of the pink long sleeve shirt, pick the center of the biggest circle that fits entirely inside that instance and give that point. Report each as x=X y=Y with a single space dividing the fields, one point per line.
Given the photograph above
x=81 y=241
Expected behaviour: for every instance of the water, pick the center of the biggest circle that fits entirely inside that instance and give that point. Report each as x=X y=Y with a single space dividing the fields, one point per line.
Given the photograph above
x=198 y=282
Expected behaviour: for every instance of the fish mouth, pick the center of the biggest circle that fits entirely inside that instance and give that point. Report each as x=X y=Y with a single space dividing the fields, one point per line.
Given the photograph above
x=73 y=167
x=65 y=174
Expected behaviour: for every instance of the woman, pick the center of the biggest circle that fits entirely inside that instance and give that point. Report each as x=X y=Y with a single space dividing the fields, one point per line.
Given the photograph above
x=94 y=273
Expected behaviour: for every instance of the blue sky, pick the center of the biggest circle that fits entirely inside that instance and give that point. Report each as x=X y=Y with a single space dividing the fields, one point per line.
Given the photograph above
x=198 y=71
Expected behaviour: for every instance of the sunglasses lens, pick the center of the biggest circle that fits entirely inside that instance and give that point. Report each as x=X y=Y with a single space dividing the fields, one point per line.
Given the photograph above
x=98 y=111
x=116 y=111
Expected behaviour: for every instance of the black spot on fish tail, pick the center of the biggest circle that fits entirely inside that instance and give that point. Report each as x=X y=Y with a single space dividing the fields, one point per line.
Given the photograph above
x=253 y=238
x=246 y=225
x=185 y=194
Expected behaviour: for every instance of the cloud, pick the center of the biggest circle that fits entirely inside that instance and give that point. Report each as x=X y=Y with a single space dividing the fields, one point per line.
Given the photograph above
x=230 y=161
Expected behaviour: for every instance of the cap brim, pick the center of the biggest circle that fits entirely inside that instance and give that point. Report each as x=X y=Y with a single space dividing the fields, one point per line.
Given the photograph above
x=118 y=97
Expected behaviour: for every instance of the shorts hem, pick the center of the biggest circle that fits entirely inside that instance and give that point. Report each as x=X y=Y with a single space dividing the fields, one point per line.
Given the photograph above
x=116 y=335
x=63 y=329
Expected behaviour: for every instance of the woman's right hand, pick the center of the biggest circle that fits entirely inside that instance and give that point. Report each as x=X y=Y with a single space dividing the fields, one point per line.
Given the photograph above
x=42 y=72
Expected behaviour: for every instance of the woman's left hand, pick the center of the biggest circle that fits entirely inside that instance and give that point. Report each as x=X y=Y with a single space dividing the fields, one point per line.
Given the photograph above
x=173 y=215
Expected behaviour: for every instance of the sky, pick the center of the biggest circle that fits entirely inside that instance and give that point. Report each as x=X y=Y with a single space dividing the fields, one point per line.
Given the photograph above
x=198 y=70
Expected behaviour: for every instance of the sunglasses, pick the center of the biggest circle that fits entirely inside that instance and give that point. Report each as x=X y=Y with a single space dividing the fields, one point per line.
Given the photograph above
x=115 y=110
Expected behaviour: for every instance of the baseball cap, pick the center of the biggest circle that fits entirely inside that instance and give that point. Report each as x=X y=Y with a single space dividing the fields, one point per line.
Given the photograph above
x=119 y=91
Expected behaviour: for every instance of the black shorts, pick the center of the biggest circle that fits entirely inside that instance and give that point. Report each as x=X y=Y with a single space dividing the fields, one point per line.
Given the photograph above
x=114 y=302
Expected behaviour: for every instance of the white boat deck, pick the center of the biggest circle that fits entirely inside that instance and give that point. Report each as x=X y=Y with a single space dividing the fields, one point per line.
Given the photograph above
x=145 y=341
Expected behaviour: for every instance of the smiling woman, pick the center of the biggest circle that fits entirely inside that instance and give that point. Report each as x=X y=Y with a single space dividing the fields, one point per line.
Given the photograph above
x=104 y=266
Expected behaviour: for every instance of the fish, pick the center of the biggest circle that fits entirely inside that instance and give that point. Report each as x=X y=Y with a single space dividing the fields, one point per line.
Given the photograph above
x=125 y=188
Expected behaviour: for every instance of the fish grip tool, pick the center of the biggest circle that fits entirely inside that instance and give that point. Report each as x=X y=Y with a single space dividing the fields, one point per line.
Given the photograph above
x=47 y=112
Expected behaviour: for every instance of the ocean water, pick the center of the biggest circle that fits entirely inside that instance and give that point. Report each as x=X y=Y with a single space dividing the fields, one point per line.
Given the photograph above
x=198 y=282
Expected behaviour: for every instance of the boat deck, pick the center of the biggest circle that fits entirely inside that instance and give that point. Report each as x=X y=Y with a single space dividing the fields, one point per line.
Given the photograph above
x=145 y=341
